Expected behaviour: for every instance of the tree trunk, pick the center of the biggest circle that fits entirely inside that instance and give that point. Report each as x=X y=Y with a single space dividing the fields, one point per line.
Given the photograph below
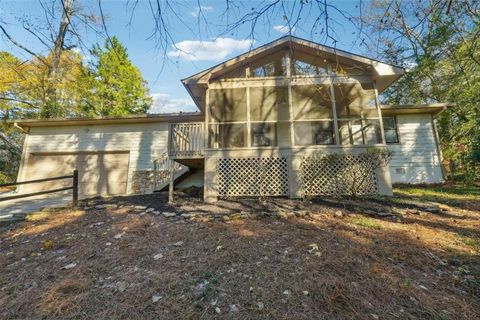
x=49 y=109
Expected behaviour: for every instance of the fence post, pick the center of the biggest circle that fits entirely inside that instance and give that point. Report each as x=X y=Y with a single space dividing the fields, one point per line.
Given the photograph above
x=75 y=188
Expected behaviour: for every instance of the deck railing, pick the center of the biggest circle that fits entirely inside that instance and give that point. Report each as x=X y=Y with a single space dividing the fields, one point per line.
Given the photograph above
x=186 y=139
x=161 y=167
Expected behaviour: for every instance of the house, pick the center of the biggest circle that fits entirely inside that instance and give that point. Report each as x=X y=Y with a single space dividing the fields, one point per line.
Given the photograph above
x=262 y=116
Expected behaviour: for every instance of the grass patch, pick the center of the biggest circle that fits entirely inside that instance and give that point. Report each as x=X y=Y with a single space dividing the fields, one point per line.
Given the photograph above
x=366 y=223
x=461 y=196
x=470 y=242
x=455 y=192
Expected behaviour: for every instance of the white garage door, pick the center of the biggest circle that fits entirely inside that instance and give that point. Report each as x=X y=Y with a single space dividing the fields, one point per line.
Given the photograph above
x=100 y=173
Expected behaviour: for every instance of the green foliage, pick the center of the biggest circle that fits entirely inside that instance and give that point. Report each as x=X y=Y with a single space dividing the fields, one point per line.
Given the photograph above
x=439 y=42
x=115 y=86
x=110 y=85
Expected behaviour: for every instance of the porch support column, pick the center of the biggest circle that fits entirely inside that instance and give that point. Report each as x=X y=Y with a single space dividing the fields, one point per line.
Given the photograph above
x=377 y=103
x=172 y=180
x=334 y=105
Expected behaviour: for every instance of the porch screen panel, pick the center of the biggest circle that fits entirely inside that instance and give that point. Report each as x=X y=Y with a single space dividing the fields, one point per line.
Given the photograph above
x=227 y=135
x=269 y=104
x=314 y=133
x=228 y=105
x=372 y=131
x=311 y=102
x=355 y=100
x=358 y=118
x=263 y=134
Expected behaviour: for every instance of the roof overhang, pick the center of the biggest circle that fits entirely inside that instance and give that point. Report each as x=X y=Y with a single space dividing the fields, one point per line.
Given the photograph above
x=384 y=74
x=133 y=119
x=432 y=108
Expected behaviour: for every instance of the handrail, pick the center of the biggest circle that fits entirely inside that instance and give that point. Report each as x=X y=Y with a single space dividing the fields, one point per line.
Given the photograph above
x=162 y=167
x=186 y=139
x=73 y=187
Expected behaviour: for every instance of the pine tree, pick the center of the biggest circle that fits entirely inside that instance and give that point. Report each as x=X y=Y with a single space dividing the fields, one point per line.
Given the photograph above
x=115 y=86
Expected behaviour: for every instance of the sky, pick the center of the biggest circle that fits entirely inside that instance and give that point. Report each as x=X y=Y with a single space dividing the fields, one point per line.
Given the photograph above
x=196 y=46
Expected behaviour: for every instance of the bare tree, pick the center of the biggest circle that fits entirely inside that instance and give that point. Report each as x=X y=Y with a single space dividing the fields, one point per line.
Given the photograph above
x=58 y=31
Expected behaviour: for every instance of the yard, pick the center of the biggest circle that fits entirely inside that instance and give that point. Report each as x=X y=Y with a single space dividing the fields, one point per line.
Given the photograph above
x=413 y=256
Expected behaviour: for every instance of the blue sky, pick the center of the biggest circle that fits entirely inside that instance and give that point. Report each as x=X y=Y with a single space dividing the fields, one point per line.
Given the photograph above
x=200 y=48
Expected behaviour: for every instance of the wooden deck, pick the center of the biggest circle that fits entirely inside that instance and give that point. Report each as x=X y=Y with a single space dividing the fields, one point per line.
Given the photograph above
x=186 y=140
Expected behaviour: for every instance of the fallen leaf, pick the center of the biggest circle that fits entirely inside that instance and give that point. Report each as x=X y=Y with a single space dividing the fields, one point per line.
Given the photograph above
x=47 y=244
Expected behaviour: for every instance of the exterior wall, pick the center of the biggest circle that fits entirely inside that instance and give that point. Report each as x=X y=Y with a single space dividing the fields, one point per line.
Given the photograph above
x=416 y=157
x=294 y=158
x=145 y=143
x=194 y=179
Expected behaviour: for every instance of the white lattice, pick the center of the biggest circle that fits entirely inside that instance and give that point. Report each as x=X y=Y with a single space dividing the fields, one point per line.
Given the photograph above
x=252 y=177
x=338 y=175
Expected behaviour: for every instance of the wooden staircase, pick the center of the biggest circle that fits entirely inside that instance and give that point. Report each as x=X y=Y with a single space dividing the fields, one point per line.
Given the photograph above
x=186 y=146
x=162 y=167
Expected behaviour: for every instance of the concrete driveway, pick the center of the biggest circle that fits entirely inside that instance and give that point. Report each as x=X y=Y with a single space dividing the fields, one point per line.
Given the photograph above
x=17 y=209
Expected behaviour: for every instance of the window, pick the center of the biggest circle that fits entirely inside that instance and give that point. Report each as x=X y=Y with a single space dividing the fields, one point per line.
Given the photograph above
x=306 y=64
x=350 y=70
x=302 y=68
x=313 y=133
x=227 y=135
x=275 y=67
x=390 y=129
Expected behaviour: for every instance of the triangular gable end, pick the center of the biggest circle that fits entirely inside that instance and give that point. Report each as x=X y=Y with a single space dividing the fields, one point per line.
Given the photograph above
x=384 y=74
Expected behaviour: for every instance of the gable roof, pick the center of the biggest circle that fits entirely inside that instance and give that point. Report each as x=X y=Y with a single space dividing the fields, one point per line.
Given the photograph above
x=385 y=74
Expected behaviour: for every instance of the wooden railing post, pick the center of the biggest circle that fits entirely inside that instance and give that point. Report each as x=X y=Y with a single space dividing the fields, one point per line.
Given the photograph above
x=171 y=181
x=75 y=188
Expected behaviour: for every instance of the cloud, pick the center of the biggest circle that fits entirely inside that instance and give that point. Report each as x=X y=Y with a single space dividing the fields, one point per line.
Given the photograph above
x=164 y=103
x=283 y=29
x=215 y=50
x=197 y=10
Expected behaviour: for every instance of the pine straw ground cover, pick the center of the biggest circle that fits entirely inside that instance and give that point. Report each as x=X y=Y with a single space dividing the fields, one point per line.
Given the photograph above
x=280 y=259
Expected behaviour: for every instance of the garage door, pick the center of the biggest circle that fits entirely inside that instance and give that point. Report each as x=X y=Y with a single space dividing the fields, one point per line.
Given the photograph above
x=100 y=173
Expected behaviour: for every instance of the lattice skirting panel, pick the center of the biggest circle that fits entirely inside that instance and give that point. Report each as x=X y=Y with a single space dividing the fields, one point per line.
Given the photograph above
x=252 y=177
x=336 y=176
